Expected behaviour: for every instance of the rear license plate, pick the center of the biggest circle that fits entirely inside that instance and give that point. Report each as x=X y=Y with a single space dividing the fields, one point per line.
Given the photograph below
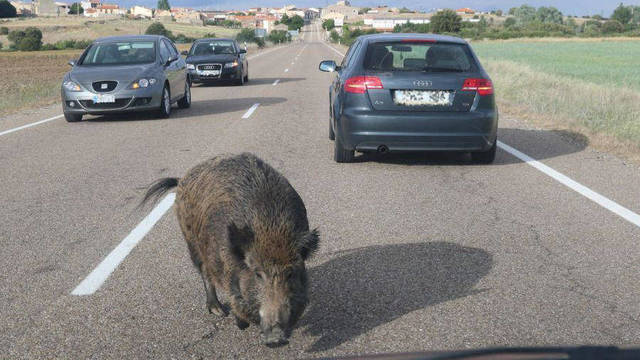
x=101 y=99
x=210 y=72
x=423 y=98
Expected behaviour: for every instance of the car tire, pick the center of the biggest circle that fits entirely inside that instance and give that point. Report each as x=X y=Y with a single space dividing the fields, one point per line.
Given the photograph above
x=340 y=154
x=332 y=135
x=485 y=157
x=72 y=117
x=246 y=77
x=240 y=82
x=165 y=103
x=185 y=102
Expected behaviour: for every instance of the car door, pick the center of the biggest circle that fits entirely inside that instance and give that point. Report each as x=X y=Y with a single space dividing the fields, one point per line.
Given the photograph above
x=170 y=69
x=181 y=64
x=242 y=58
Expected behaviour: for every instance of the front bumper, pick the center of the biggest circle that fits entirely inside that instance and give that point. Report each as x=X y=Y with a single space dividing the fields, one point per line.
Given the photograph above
x=366 y=130
x=228 y=74
x=81 y=102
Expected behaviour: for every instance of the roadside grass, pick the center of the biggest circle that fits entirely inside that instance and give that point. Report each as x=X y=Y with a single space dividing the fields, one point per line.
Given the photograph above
x=587 y=87
x=29 y=79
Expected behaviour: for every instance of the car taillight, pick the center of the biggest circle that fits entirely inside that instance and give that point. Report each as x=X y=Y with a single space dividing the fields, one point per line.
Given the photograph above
x=360 y=84
x=482 y=86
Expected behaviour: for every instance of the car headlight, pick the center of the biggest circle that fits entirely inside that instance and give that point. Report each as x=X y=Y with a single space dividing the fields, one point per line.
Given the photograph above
x=143 y=83
x=191 y=67
x=231 y=64
x=71 y=86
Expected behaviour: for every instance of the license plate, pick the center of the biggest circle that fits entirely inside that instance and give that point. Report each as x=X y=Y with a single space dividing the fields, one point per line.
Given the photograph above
x=101 y=99
x=423 y=98
x=210 y=72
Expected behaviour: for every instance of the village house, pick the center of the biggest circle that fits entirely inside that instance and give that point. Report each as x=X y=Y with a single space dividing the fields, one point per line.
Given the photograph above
x=141 y=12
x=23 y=8
x=465 y=11
x=341 y=7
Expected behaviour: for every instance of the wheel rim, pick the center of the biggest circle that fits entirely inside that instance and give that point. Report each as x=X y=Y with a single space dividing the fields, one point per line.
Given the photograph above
x=167 y=103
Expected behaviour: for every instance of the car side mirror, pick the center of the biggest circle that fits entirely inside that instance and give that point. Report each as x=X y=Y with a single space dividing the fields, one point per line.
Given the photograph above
x=328 y=66
x=170 y=61
x=242 y=51
x=72 y=62
x=185 y=53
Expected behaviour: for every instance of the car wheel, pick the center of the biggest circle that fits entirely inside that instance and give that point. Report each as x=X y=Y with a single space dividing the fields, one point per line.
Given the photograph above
x=165 y=103
x=246 y=77
x=240 y=81
x=340 y=154
x=185 y=102
x=72 y=117
x=485 y=157
x=332 y=135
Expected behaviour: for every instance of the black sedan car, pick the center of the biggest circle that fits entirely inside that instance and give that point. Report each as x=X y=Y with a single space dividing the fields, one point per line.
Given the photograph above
x=214 y=60
x=411 y=92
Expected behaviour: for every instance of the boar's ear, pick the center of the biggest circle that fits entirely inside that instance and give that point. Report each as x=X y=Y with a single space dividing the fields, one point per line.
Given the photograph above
x=309 y=244
x=239 y=240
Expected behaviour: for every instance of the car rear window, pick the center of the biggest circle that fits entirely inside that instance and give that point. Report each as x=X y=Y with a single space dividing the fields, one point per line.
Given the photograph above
x=120 y=53
x=418 y=56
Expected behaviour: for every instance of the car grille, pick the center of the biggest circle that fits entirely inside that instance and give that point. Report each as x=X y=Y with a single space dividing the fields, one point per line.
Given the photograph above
x=209 y=66
x=104 y=86
x=120 y=103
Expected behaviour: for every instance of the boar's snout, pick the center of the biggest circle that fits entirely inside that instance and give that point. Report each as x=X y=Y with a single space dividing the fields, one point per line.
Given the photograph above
x=275 y=337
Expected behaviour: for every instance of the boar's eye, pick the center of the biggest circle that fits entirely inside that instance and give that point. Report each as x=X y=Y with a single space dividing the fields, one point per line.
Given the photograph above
x=259 y=275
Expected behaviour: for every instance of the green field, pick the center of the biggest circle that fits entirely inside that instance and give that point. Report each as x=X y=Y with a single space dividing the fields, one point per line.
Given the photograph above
x=612 y=63
x=592 y=87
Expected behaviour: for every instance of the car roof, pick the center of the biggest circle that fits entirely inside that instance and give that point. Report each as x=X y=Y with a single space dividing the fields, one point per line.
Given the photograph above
x=214 y=39
x=130 y=38
x=405 y=36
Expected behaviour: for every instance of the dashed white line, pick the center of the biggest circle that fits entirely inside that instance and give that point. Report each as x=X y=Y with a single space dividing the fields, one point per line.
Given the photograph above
x=250 y=111
x=30 y=125
x=276 y=82
x=605 y=202
x=100 y=274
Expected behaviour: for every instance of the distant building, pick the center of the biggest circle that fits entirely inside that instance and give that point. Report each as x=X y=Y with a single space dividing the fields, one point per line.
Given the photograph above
x=341 y=7
x=110 y=10
x=387 y=24
x=465 y=11
x=23 y=8
x=187 y=16
x=141 y=12
x=163 y=15
x=47 y=8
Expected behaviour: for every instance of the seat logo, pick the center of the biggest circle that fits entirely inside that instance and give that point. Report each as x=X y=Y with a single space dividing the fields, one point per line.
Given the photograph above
x=422 y=83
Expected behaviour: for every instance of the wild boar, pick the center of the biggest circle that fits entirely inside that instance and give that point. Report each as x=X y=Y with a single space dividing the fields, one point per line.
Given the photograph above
x=248 y=235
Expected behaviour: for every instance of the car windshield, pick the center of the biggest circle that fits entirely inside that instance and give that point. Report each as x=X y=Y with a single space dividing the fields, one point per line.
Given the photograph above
x=418 y=56
x=213 y=48
x=120 y=53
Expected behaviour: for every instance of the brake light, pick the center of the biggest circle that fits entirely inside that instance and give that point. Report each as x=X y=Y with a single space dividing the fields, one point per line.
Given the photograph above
x=482 y=86
x=360 y=84
x=419 y=41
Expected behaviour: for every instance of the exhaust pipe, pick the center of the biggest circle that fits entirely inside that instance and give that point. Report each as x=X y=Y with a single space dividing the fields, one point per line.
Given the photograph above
x=383 y=149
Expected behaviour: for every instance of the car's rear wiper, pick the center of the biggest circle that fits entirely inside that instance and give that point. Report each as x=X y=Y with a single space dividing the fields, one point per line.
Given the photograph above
x=441 y=69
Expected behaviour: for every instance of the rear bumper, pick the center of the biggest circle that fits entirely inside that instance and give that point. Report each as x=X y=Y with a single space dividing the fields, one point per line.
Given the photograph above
x=402 y=131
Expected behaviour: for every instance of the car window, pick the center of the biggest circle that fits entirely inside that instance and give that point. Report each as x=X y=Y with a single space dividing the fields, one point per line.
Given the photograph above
x=164 y=52
x=418 y=56
x=346 y=58
x=119 y=53
x=172 y=49
x=353 y=53
x=214 y=47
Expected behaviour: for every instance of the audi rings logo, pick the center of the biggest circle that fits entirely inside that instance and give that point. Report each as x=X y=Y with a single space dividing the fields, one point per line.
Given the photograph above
x=422 y=83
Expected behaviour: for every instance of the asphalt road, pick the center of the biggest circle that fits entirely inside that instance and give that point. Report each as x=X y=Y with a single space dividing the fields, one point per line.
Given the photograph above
x=418 y=252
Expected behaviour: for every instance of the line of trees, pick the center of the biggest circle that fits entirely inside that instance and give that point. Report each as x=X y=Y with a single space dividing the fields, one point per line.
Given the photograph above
x=293 y=23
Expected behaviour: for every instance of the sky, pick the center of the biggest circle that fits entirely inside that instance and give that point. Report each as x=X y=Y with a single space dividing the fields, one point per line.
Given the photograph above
x=568 y=7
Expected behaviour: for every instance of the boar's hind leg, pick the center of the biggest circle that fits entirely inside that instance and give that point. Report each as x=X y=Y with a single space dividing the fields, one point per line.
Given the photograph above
x=213 y=304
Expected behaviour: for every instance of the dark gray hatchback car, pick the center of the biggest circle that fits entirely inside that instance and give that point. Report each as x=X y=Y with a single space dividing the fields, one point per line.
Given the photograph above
x=411 y=92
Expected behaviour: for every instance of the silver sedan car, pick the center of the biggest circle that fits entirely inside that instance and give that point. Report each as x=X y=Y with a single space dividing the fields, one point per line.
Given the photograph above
x=124 y=74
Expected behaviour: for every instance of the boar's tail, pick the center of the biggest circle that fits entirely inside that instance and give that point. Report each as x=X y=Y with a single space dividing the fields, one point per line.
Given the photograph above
x=158 y=188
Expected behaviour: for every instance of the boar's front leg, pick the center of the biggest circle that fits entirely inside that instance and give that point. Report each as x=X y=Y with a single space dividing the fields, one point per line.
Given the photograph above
x=213 y=304
x=241 y=324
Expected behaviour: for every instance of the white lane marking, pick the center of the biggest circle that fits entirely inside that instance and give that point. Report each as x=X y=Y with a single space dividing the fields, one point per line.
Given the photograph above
x=286 y=70
x=606 y=203
x=100 y=274
x=30 y=125
x=276 y=82
x=250 y=111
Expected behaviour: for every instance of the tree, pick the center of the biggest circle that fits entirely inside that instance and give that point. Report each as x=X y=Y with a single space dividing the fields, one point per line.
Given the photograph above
x=525 y=14
x=510 y=22
x=446 y=21
x=76 y=9
x=612 y=26
x=622 y=14
x=295 y=22
x=328 y=24
x=29 y=39
x=499 y=12
x=29 y=44
x=158 y=29
x=7 y=10
x=285 y=19
x=279 y=36
x=163 y=5
x=4 y=30
x=549 y=15
x=335 y=37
